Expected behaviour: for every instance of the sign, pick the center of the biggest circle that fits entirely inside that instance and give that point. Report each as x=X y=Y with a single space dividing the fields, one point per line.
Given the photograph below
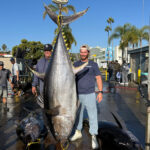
x=94 y=55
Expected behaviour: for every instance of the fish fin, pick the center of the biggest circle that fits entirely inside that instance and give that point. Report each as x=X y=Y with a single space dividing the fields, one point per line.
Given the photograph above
x=78 y=69
x=68 y=19
x=53 y=112
x=40 y=75
x=64 y=19
x=51 y=14
x=117 y=121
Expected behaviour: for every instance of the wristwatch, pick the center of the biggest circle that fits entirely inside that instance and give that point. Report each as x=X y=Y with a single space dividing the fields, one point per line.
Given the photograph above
x=100 y=92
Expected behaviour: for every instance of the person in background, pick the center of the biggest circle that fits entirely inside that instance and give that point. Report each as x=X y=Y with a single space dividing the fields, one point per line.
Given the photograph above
x=110 y=70
x=125 y=70
x=41 y=67
x=129 y=73
x=14 y=73
x=116 y=69
x=86 y=93
x=4 y=77
x=118 y=76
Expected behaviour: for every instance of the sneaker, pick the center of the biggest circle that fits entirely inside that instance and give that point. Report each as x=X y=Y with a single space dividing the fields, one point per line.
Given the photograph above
x=76 y=136
x=121 y=83
x=94 y=142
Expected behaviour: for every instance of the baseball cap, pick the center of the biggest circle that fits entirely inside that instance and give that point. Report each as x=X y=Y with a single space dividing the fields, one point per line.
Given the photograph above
x=85 y=46
x=12 y=59
x=48 y=47
x=1 y=63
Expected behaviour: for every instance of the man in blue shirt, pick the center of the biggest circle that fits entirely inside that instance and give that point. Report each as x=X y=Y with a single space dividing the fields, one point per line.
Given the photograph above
x=41 y=68
x=86 y=92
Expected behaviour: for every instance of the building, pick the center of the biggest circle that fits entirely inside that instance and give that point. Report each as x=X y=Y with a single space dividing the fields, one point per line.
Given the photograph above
x=98 y=55
x=109 y=54
x=118 y=54
x=139 y=60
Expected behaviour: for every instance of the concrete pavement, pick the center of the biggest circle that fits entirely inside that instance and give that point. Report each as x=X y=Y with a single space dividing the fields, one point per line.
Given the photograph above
x=125 y=103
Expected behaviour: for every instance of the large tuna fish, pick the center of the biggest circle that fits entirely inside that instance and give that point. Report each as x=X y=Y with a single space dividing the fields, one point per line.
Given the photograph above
x=60 y=91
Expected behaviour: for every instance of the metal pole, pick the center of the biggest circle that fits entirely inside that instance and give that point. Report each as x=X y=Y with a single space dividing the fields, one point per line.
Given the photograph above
x=147 y=146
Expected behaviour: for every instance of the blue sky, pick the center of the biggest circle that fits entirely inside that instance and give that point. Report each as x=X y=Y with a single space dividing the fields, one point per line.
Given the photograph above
x=24 y=19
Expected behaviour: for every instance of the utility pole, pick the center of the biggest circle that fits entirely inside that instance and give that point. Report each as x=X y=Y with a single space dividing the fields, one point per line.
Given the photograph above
x=147 y=146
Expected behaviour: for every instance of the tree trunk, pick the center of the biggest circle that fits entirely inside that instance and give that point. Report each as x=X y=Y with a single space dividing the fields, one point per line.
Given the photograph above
x=122 y=55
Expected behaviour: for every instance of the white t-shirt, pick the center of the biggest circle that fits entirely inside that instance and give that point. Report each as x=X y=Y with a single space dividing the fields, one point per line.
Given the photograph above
x=15 y=68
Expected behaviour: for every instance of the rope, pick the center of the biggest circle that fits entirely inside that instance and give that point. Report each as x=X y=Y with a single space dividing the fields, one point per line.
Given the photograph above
x=66 y=147
x=31 y=143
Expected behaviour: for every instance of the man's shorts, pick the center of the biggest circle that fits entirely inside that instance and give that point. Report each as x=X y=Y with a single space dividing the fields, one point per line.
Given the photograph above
x=3 y=92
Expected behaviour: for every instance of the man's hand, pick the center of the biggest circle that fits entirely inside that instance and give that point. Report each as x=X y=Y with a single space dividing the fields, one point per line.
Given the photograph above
x=34 y=90
x=99 y=97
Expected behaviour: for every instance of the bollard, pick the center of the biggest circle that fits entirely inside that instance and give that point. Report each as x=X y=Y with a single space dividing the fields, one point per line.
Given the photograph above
x=139 y=75
x=106 y=75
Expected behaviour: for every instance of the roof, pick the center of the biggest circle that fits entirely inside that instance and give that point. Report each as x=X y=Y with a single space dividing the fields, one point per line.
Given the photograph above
x=138 y=50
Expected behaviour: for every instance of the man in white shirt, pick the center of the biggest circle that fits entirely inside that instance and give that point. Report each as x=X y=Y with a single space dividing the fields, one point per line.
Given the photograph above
x=15 y=72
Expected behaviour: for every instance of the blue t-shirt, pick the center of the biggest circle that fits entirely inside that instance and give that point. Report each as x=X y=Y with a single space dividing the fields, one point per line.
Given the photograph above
x=85 y=79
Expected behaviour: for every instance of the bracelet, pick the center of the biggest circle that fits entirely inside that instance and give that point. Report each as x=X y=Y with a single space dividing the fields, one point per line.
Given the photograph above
x=100 y=92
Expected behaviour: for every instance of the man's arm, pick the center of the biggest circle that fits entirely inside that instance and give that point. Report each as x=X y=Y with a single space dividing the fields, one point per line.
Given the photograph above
x=100 y=88
x=35 y=81
x=10 y=83
x=35 y=78
x=17 y=72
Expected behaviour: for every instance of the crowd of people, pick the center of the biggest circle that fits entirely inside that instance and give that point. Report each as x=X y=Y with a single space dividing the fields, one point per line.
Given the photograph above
x=119 y=73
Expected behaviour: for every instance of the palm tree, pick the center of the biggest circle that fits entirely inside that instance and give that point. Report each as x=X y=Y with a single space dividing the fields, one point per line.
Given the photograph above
x=66 y=29
x=108 y=29
x=143 y=34
x=110 y=20
x=121 y=32
x=131 y=37
x=56 y=8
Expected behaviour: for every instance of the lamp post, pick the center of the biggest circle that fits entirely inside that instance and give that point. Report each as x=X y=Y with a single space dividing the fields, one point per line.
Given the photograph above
x=147 y=146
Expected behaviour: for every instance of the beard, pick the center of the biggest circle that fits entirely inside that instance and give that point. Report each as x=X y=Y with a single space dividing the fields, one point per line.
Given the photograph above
x=84 y=57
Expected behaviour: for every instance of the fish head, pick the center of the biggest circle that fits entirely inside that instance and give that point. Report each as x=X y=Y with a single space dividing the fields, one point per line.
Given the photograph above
x=113 y=137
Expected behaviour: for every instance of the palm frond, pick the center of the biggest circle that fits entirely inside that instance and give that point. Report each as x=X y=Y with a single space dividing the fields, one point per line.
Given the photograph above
x=71 y=8
x=65 y=10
